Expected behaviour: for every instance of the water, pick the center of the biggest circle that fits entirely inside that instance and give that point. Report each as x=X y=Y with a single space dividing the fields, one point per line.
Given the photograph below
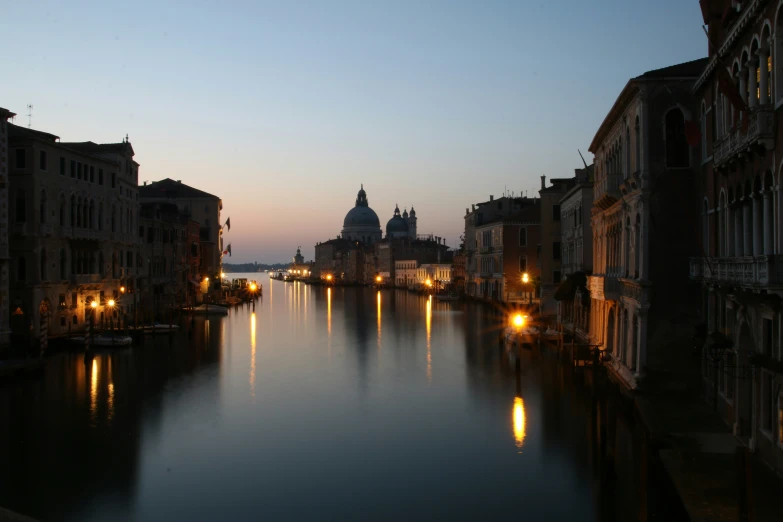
x=322 y=404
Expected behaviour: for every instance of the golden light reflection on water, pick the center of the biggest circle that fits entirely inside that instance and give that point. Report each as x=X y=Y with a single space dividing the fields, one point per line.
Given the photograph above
x=111 y=391
x=329 y=311
x=429 y=339
x=94 y=390
x=519 y=421
x=253 y=354
x=379 y=321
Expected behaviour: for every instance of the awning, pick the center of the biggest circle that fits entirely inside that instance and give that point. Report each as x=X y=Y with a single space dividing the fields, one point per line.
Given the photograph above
x=567 y=288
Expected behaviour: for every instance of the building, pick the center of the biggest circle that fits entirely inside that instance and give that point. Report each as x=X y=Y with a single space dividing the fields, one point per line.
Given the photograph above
x=478 y=215
x=738 y=205
x=458 y=271
x=424 y=249
x=5 y=272
x=298 y=266
x=576 y=239
x=329 y=256
x=405 y=273
x=401 y=226
x=74 y=236
x=164 y=272
x=551 y=251
x=361 y=223
x=642 y=309
x=193 y=232
x=438 y=274
x=200 y=207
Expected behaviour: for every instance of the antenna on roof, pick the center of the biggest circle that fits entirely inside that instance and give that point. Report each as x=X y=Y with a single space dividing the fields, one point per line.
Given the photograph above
x=29 y=115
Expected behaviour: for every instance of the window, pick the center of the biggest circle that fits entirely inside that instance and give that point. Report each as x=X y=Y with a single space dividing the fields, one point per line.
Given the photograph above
x=556 y=276
x=100 y=176
x=113 y=180
x=150 y=235
x=62 y=210
x=556 y=212
x=129 y=259
x=677 y=149
x=556 y=250
x=523 y=237
x=62 y=166
x=42 y=160
x=141 y=231
x=21 y=269
x=75 y=320
x=73 y=168
x=21 y=204
x=61 y=302
x=78 y=170
x=703 y=132
x=92 y=174
x=44 y=272
x=522 y=264
x=637 y=146
x=21 y=159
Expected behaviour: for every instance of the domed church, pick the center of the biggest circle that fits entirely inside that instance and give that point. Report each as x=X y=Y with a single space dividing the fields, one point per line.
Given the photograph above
x=361 y=222
x=400 y=226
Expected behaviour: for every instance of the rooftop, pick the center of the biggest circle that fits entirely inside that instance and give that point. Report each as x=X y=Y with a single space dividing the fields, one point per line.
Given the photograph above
x=171 y=189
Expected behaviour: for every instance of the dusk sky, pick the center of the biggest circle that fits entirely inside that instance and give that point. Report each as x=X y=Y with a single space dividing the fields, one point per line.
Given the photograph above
x=284 y=108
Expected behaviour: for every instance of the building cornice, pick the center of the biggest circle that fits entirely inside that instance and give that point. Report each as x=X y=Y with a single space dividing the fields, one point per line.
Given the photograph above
x=623 y=100
x=736 y=30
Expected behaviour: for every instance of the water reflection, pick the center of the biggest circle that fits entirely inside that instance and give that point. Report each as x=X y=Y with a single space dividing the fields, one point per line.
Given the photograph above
x=429 y=338
x=94 y=391
x=519 y=422
x=253 y=354
x=379 y=323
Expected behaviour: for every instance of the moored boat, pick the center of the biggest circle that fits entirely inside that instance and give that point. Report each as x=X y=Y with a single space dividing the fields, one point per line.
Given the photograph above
x=207 y=309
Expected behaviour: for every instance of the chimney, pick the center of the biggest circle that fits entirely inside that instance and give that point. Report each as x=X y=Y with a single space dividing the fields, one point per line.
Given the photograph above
x=145 y=183
x=491 y=197
x=179 y=181
x=543 y=182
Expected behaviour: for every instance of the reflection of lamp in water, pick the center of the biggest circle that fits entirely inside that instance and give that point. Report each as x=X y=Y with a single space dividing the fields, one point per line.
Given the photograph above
x=329 y=311
x=379 y=320
x=429 y=338
x=253 y=354
x=94 y=390
x=519 y=421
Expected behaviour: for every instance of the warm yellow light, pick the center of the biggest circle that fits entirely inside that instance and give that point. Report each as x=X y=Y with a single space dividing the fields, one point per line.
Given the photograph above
x=111 y=302
x=206 y=279
x=122 y=289
x=429 y=282
x=329 y=277
x=253 y=287
x=222 y=275
x=378 y=278
x=519 y=421
x=519 y=320
x=525 y=278
x=94 y=304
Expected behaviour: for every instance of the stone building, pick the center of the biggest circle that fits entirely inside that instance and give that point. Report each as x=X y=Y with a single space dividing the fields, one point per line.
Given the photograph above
x=551 y=250
x=476 y=216
x=405 y=273
x=198 y=206
x=73 y=231
x=576 y=239
x=738 y=212
x=5 y=271
x=642 y=309
x=163 y=275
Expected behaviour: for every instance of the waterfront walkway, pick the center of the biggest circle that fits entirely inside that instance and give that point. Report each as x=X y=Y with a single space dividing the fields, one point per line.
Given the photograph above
x=700 y=457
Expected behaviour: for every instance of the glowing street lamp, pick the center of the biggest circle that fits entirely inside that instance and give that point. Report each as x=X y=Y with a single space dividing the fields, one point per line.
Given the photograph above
x=222 y=275
x=253 y=287
x=94 y=305
x=111 y=303
x=428 y=282
x=525 y=278
x=519 y=320
x=329 y=277
x=378 y=279
x=122 y=289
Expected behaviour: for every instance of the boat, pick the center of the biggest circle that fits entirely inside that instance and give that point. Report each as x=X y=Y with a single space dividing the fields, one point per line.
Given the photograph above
x=207 y=309
x=447 y=297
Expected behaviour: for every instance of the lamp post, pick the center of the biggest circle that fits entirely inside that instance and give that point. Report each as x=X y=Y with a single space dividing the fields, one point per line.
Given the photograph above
x=525 y=281
x=111 y=316
x=93 y=311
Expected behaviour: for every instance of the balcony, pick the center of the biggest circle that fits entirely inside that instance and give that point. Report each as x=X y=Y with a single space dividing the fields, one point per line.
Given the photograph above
x=85 y=279
x=485 y=250
x=604 y=288
x=762 y=271
x=636 y=290
x=607 y=191
x=761 y=130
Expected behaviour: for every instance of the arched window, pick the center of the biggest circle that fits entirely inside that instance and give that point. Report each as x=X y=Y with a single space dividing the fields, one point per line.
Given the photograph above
x=113 y=218
x=43 y=265
x=21 y=207
x=705 y=228
x=627 y=152
x=677 y=150
x=91 y=219
x=637 y=246
x=21 y=269
x=73 y=211
x=523 y=237
x=722 y=211
x=62 y=210
x=63 y=266
x=79 y=212
x=638 y=146
x=627 y=247
x=42 y=209
x=100 y=215
x=703 y=131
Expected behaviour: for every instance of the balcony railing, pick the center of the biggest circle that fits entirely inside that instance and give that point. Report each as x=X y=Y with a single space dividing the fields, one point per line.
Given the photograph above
x=607 y=190
x=606 y=288
x=761 y=128
x=742 y=271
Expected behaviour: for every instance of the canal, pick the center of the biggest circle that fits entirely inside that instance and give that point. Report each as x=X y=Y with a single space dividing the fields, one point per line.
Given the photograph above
x=321 y=404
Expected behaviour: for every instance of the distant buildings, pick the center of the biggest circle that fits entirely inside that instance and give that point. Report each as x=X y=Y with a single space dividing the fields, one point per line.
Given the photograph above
x=550 y=253
x=5 y=272
x=360 y=254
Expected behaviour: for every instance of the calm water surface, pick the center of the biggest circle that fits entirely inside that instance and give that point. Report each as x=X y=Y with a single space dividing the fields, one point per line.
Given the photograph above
x=342 y=404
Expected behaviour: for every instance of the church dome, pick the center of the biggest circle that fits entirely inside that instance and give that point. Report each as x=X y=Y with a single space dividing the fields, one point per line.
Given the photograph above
x=396 y=225
x=362 y=217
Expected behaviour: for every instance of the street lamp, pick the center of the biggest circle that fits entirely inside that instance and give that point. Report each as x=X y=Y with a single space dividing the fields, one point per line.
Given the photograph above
x=94 y=306
x=525 y=281
x=111 y=315
x=378 y=279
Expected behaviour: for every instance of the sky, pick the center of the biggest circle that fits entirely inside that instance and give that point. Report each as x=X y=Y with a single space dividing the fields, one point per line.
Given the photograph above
x=283 y=109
